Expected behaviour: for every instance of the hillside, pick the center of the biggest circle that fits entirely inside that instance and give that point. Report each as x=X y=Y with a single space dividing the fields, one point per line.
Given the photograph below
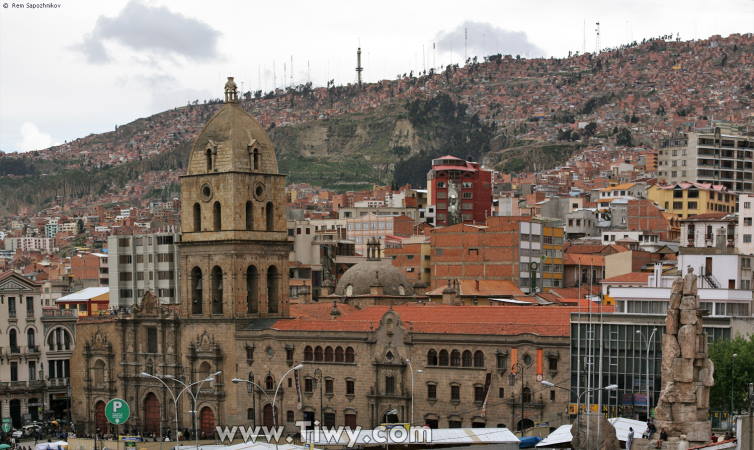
x=512 y=113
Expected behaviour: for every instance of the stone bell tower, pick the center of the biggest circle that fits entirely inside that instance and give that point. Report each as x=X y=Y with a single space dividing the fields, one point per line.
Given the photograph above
x=234 y=246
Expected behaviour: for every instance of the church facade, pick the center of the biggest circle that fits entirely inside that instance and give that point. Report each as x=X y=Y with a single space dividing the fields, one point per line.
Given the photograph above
x=338 y=363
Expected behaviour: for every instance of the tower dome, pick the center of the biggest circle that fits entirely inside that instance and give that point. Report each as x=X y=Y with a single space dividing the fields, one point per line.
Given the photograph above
x=359 y=279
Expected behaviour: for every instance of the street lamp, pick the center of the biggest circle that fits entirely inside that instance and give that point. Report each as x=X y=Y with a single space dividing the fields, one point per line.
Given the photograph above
x=274 y=397
x=172 y=394
x=187 y=388
x=320 y=380
x=649 y=343
x=609 y=387
x=732 y=374
x=411 y=368
x=240 y=380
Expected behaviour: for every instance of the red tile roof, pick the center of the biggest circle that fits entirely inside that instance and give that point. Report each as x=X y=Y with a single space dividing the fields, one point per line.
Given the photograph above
x=631 y=277
x=584 y=259
x=486 y=288
x=443 y=319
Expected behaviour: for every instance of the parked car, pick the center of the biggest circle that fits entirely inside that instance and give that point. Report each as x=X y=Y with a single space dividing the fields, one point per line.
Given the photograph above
x=18 y=434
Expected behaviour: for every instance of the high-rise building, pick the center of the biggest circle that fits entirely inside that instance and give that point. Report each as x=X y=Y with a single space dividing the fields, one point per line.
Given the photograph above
x=722 y=154
x=459 y=191
x=140 y=263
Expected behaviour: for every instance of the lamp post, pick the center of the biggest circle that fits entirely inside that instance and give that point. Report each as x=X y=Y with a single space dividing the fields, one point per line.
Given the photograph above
x=520 y=367
x=732 y=374
x=411 y=368
x=649 y=343
x=187 y=388
x=610 y=387
x=274 y=397
x=240 y=380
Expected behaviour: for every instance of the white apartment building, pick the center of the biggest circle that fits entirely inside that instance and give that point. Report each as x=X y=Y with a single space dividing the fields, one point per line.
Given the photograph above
x=745 y=228
x=722 y=154
x=29 y=244
x=140 y=263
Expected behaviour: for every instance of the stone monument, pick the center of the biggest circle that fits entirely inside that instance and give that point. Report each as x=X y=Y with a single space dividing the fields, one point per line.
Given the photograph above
x=687 y=372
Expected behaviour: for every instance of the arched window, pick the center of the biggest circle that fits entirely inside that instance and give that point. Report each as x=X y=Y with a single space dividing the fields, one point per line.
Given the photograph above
x=272 y=289
x=252 y=290
x=30 y=338
x=217 y=290
x=339 y=356
x=455 y=358
x=13 y=338
x=249 y=385
x=249 y=216
x=329 y=357
x=204 y=369
x=98 y=373
x=196 y=290
x=478 y=358
x=270 y=213
x=432 y=358
x=318 y=353
x=59 y=339
x=208 y=156
x=443 y=359
x=466 y=358
x=217 y=212
x=526 y=395
x=308 y=353
x=269 y=383
x=350 y=357
x=197 y=217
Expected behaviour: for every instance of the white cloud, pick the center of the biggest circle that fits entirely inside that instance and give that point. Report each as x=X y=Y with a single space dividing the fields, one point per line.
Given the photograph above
x=32 y=138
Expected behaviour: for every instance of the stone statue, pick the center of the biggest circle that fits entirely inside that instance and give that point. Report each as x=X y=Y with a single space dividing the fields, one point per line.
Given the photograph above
x=231 y=91
x=687 y=372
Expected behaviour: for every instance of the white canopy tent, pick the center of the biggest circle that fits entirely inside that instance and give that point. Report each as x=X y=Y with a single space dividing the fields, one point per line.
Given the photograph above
x=562 y=434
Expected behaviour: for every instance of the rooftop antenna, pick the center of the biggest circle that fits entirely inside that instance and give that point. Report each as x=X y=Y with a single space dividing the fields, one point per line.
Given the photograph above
x=274 y=77
x=308 y=72
x=597 y=30
x=465 y=44
x=259 y=77
x=359 y=69
x=292 y=77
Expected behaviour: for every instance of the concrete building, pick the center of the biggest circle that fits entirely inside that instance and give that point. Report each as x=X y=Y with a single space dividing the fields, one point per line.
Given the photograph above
x=35 y=351
x=140 y=263
x=689 y=199
x=30 y=244
x=744 y=241
x=719 y=155
x=91 y=268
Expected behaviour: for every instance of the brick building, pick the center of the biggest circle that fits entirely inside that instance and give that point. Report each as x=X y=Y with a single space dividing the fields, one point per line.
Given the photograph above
x=460 y=191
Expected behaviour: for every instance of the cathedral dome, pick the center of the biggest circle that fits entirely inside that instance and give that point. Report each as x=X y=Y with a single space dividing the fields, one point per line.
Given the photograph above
x=232 y=140
x=359 y=279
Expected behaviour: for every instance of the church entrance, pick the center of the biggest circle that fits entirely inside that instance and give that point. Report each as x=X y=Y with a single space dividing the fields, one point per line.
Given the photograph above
x=100 y=421
x=207 y=422
x=267 y=416
x=152 y=414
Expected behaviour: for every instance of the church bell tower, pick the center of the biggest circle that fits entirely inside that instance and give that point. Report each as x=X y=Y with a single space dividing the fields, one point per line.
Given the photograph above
x=234 y=247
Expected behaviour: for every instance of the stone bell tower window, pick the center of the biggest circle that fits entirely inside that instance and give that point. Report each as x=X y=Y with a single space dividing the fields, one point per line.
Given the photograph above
x=272 y=289
x=197 y=217
x=217 y=290
x=217 y=216
x=208 y=156
x=249 y=216
x=196 y=290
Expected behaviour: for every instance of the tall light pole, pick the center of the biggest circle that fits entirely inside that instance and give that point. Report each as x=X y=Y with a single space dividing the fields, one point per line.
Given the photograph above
x=610 y=387
x=732 y=374
x=274 y=397
x=320 y=380
x=520 y=367
x=240 y=380
x=411 y=368
x=649 y=343
x=187 y=388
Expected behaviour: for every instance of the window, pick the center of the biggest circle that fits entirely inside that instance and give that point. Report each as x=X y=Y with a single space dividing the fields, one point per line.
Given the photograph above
x=252 y=290
x=747 y=238
x=124 y=259
x=165 y=240
x=329 y=356
x=350 y=357
x=289 y=354
x=454 y=424
x=289 y=416
x=455 y=393
x=309 y=385
x=217 y=290
x=552 y=363
x=197 y=217
x=32 y=370
x=478 y=393
x=318 y=354
x=389 y=384
x=455 y=358
x=164 y=274
x=501 y=392
x=273 y=279
x=552 y=396
x=250 y=413
x=308 y=353
x=432 y=358
x=431 y=391
x=466 y=359
x=151 y=340
x=29 y=306
x=196 y=291
x=123 y=242
x=526 y=395
x=478 y=358
x=217 y=213
x=126 y=293
x=249 y=216
x=13 y=371
x=329 y=386
x=269 y=215
x=350 y=387
x=339 y=355
x=747 y=221
x=329 y=419
x=269 y=383
x=443 y=358
x=125 y=276
x=164 y=257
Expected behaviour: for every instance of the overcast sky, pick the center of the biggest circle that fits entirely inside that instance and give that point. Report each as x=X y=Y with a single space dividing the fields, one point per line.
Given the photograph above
x=91 y=64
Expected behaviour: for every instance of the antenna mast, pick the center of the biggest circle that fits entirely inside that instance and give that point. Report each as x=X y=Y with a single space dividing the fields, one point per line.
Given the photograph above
x=359 y=69
x=597 y=30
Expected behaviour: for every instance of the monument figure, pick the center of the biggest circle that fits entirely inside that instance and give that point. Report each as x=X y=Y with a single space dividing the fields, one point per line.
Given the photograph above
x=687 y=371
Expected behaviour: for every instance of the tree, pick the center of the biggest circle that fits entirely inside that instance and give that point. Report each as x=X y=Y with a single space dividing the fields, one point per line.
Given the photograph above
x=590 y=129
x=624 y=138
x=731 y=374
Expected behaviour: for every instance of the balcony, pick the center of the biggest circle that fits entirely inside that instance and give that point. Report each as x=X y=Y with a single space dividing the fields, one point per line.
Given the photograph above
x=58 y=382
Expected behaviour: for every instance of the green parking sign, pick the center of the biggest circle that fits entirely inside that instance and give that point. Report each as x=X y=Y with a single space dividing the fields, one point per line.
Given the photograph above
x=6 y=424
x=117 y=411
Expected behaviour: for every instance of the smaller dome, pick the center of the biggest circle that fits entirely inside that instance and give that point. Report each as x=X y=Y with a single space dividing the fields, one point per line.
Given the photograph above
x=360 y=278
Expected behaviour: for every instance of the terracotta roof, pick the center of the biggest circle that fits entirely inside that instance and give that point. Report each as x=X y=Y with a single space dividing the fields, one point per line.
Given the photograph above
x=618 y=187
x=487 y=288
x=707 y=216
x=444 y=319
x=584 y=259
x=631 y=277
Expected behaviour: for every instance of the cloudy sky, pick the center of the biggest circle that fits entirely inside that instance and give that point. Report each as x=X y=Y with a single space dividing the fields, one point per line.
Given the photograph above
x=90 y=64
